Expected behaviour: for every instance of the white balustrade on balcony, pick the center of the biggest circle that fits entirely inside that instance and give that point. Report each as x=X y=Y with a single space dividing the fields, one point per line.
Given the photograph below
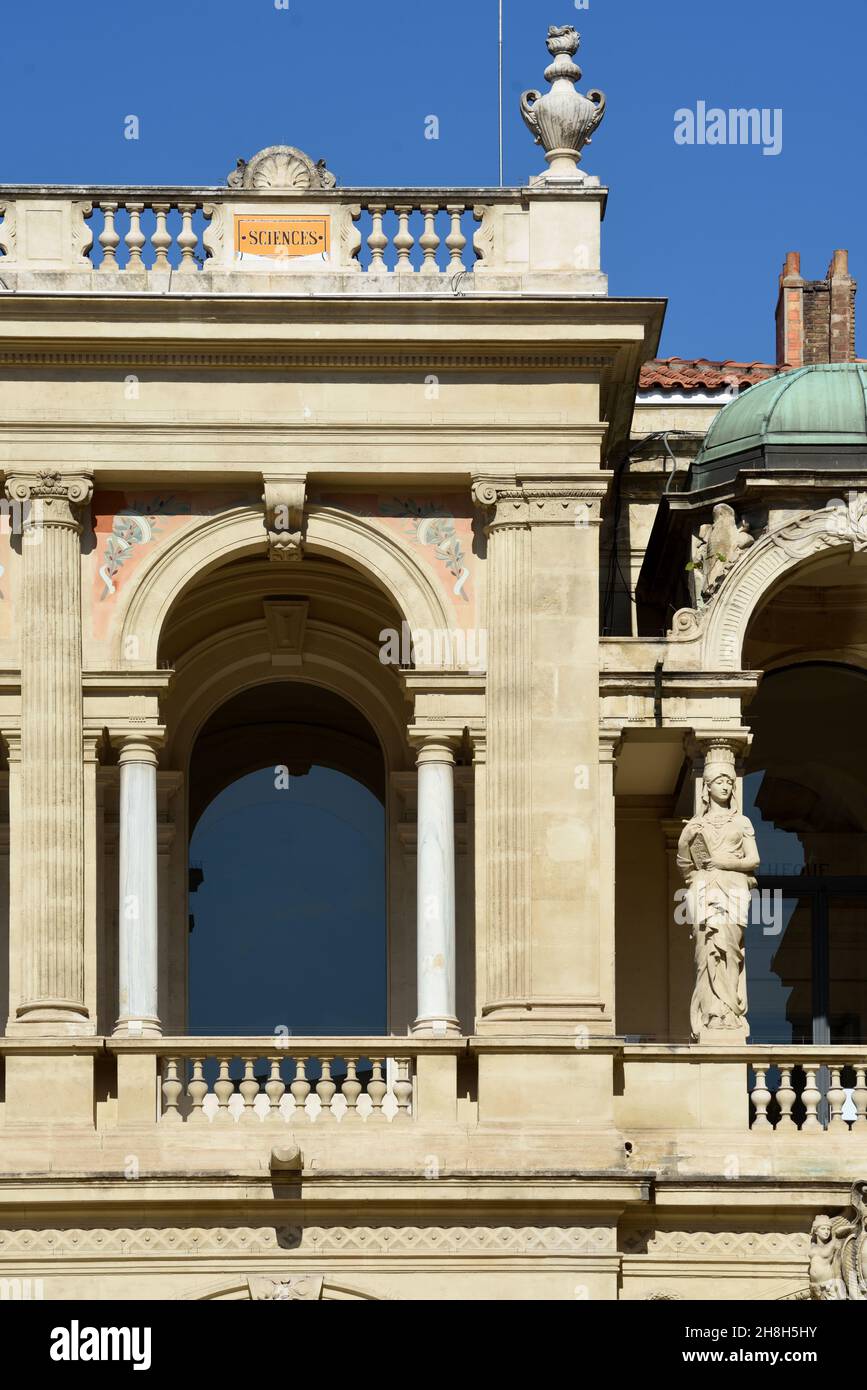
x=807 y=1092
x=243 y=1084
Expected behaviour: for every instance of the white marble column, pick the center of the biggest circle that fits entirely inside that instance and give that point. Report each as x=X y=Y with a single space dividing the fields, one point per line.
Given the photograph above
x=436 y=888
x=137 y=900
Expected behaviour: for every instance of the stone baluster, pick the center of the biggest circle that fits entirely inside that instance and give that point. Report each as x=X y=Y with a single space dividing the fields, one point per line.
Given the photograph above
x=300 y=1088
x=197 y=1089
x=249 y=1089
x=435 y=893
x=162 y=237
x=404 y=239
x=811 y=1097
x=786 y=1097
x=761 y=1096
x=47 y=920
x=172 y=1089
x=377 y=241
x=402 y=1087
x=859 y=1094
x=275 y=1089
x=429 y=241
x=187 y=239
x=456 y=241
x=836 y=1099
x=351 y=1088
x=224 y=1089
x=135 y=237
x=376 y=1089
x=109 y=237
x=325 y=1089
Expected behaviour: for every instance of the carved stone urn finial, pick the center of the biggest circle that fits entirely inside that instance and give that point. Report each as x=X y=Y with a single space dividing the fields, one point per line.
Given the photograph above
x=563 y=120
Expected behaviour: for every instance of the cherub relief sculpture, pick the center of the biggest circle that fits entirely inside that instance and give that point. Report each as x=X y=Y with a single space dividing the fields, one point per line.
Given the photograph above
x=838 y=1253
x=721 y=543
x=717 y=856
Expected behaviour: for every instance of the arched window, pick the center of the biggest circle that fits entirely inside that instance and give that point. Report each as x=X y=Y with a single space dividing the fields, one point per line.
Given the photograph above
x=288 y=912
x=806 y=793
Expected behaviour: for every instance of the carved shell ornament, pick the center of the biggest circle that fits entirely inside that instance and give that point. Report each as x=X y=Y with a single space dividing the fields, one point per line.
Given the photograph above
x=562 y=120
x=281 y=166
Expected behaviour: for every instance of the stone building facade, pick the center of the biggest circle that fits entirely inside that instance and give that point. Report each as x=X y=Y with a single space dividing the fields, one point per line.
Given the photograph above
x=621 y=600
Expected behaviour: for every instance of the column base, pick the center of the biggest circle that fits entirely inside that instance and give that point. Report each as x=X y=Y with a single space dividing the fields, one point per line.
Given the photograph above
x=137 y=1028
x=51 y=1018
x=585 y=1018
x=430 y=1026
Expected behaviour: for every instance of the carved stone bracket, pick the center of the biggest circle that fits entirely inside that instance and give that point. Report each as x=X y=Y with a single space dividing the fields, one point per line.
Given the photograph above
x=284 y=499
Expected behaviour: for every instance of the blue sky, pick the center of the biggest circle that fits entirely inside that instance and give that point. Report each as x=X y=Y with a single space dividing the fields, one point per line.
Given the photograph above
x=705 y=226
x=308 y=856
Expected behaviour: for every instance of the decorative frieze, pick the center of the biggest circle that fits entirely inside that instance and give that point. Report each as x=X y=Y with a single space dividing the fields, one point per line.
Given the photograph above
x=719 y=1244
x=308 y=1240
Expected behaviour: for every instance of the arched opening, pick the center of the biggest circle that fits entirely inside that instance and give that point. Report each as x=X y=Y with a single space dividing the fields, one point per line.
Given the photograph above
x=278 y=667
x=287 y=856
x=806 y=793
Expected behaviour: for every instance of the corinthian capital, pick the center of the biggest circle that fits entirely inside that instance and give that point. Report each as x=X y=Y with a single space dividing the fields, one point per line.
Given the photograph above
x=50 y=498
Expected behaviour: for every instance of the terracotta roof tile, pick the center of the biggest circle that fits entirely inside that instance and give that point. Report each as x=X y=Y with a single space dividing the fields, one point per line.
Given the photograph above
x=698 y=373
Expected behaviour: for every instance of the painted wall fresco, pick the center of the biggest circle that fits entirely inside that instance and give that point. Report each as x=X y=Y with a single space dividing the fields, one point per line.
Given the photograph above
x=130 y=526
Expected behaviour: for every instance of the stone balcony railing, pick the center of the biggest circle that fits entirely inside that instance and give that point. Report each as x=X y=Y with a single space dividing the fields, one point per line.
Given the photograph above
x=636 y=1089
x=789 y=1090
x=124 y=240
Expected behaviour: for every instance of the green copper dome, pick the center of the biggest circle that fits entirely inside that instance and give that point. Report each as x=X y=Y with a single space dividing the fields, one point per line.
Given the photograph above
x=812 y=418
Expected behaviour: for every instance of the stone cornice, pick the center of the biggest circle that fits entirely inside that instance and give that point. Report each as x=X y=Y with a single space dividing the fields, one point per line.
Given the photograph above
x=577 y=317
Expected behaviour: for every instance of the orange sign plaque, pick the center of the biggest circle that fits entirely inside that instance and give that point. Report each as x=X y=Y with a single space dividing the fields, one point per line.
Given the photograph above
x=259 y=235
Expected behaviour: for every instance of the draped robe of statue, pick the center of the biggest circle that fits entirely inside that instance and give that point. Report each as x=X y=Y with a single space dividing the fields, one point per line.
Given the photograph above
x=710 y=848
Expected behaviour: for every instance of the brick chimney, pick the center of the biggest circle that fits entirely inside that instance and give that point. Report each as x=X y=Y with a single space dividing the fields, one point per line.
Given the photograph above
x=816 y=318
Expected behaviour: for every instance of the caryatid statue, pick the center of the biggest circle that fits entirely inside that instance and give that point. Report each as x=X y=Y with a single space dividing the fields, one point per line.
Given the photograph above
x=717 y=856
x=838 y=1253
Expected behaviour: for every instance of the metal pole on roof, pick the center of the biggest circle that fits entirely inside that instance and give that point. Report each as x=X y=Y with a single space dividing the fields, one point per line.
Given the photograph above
x=500 y=100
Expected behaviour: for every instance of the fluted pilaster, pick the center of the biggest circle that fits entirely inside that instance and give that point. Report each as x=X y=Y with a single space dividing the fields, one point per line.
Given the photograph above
x=547 y=931
x=508 y=833
x=51 y=844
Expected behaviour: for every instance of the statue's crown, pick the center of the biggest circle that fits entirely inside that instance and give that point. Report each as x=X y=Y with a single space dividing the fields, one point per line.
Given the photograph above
x=718 y=759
